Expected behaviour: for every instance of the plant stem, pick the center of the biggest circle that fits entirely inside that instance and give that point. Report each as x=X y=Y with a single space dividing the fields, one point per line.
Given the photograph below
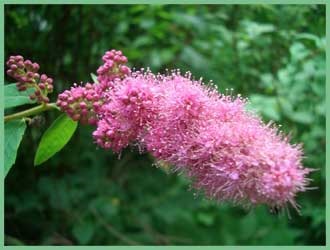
x=33 y=111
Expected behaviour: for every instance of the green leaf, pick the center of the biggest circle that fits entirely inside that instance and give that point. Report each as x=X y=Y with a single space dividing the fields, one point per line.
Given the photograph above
x=94 y=77
x=83 y=231
x=55 y=138
x=14 y=131
x=14 y=98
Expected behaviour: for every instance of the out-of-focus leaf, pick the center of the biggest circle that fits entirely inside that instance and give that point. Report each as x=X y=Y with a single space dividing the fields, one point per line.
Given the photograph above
x=265 y=105
x=160 y=58
x=302 y=117
x=191 y=56
x=141 y=41
x=147 y=23
x=105 y=206
x=205 y=218
x=319 y=41
x=256 y=29
x=286 y=106
x=298 y=51
x=83 y=231
x=190 y=21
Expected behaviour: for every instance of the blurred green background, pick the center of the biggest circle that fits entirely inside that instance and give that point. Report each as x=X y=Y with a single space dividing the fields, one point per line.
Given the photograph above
x=273 y=54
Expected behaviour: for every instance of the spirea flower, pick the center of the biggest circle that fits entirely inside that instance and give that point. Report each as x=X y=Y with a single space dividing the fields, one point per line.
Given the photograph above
x=129 y=107
x=27 y=76
x=227 y=151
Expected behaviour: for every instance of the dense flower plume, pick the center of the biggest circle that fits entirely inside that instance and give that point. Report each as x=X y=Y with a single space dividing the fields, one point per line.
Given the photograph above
x=27 y=76
x=228 y=152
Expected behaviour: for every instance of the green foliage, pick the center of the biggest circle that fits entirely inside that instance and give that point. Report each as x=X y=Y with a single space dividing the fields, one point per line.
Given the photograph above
x=55 y=138
x=14 y=131
x=272 y=54
x=14 y=98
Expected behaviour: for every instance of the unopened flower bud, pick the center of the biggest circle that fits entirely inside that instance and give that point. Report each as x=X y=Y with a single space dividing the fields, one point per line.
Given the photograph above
x=35 y=67
x=42 y=86
x=43 y=78
x=49 y=80
x=50 y=88
x=20 y=65
x=13 y=67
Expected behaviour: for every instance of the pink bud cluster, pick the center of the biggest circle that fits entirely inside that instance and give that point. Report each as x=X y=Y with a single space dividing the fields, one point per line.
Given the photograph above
x=85 y=103
x=80 y=103
x=228 y=152
x=113 y=67
x=27 y=76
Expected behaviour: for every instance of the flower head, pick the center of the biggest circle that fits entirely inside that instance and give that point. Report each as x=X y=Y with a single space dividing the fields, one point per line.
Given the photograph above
x=227 y=151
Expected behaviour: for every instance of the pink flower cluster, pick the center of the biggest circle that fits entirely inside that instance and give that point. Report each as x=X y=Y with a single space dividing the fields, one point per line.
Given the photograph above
x=227 y=151
x=128 y=108
x=26 y=73
x=80 y=103
x=87 y=103
x=113 y=67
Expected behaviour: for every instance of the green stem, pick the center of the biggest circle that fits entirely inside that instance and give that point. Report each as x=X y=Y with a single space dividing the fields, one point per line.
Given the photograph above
x=33 y=111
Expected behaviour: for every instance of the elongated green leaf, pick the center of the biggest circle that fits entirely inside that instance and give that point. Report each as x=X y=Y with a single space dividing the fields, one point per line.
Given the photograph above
x=14 y=131
x=14 y=98
x=55 y=138
x=94 y=77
